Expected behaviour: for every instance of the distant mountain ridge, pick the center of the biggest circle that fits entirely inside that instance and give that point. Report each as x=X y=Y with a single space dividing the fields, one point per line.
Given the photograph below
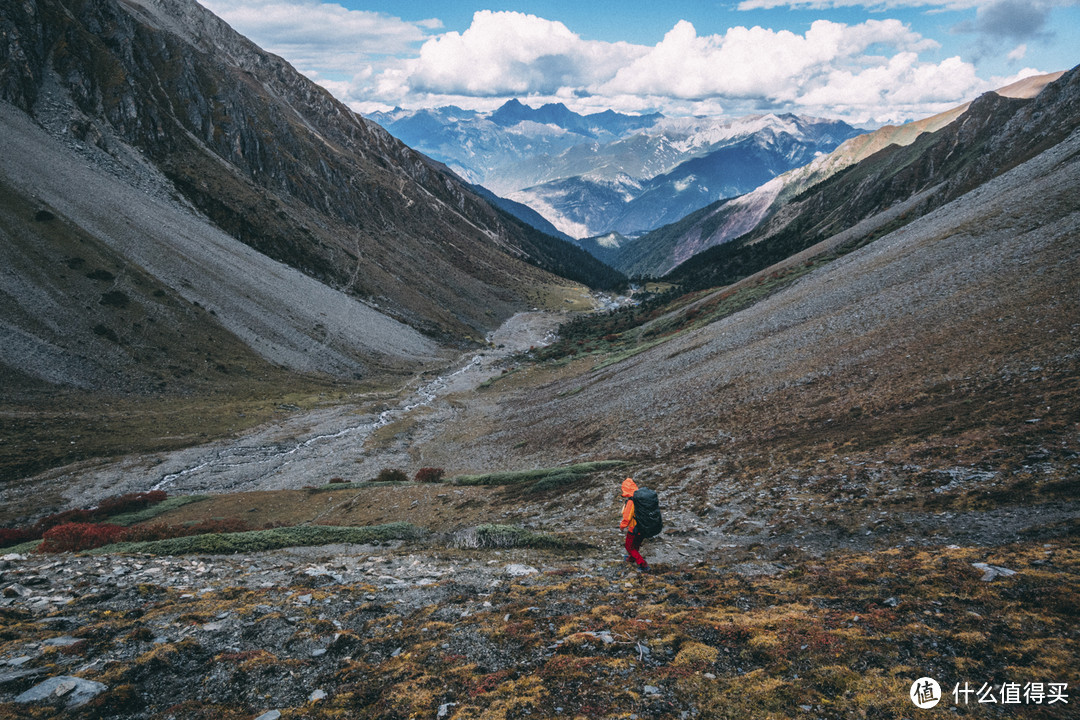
x=608 y=172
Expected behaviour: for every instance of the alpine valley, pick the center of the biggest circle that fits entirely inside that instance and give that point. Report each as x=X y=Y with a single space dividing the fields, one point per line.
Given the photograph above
x=298 y=420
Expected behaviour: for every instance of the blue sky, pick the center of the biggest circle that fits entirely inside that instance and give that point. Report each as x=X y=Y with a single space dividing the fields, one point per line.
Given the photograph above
x=866 y=61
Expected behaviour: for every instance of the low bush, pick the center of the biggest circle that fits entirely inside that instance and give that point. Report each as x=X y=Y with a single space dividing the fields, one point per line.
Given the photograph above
x=152 y=511
x=541 y=478
x=132 y=502
x=160 y=531
x=75 y=537
x=272 y=539
x=16 y=536
x=391 y=475
x=129 y=503
x=429 y=475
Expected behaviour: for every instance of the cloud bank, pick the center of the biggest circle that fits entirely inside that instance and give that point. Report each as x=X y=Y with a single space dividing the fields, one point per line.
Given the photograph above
x=871 y=71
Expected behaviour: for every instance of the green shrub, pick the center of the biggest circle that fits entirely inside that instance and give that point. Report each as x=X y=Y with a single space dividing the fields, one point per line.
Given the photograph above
x=273 y=539
x=552 y=482
x=566 y=474
x=391 y=475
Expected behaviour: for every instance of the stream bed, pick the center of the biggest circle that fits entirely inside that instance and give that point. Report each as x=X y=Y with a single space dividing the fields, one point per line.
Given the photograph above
x=309 y=448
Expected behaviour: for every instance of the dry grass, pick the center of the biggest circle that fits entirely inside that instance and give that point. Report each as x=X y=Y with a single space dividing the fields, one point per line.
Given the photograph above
x=845 y=636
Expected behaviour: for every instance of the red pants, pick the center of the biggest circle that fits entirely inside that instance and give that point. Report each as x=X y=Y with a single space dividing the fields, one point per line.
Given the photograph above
x=633 y=544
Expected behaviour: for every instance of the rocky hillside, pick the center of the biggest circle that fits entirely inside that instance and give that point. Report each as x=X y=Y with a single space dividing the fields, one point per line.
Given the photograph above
x=274 y=161
x=480 y=624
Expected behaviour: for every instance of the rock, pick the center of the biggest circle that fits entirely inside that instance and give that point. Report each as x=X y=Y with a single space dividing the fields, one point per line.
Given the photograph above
x=271 y=715
x=317 y=695
x=652 y=690
x=519 y=570
x=11 y=677
x=15 y=590
x=64 y=641
x=444 y=709
x=76 y=690
x=992 y=571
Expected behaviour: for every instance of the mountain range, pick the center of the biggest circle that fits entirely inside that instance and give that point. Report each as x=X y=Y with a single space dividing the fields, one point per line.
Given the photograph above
x=589 y=175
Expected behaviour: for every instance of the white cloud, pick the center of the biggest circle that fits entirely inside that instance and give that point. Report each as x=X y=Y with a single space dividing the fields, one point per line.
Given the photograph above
x=865 y=72
x=868 y=4
x=755 y=62
x=902 y=82
x=320 y=37
x=513 y=53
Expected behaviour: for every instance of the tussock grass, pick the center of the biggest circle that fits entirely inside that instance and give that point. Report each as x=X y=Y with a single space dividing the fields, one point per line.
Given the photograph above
x=273 y=539
x=540 y=478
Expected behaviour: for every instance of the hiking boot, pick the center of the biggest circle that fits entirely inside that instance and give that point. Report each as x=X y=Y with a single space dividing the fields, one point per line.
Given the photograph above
x=643 y=567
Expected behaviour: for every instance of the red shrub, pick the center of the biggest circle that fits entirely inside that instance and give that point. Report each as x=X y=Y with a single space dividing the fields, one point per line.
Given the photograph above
x=72 y=537
x=429 y=475
x=108 y=507
x=128 y=503
x=147 y=533
x=14 y=536
x=62 y=518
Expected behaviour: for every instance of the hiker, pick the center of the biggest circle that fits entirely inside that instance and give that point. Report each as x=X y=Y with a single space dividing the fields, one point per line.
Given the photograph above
x=640 y=519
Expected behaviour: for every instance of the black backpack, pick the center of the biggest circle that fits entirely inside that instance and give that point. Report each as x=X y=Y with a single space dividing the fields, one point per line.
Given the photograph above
x=647 y=513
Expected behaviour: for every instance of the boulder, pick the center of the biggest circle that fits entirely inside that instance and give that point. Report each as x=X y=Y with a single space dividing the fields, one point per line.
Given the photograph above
x=74 y=691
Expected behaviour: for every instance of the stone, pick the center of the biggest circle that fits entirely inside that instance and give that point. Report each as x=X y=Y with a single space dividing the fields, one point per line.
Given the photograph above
x=271 y=715
x=64 y=641
x=316 y=695
x=75 y=690
x=11 y=677
x=992 y=571
x=15 y=590
x=519 y=570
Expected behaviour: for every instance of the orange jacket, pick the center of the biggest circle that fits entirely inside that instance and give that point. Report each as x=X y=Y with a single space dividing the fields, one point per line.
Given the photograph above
x=629 y=487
